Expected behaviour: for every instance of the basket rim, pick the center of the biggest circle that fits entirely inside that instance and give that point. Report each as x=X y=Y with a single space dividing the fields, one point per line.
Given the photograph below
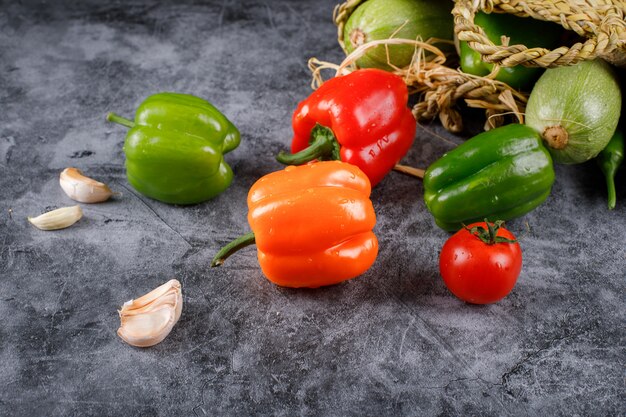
x=602 y=23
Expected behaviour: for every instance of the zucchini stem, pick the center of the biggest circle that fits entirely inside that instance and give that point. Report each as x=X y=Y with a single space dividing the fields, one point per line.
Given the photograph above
x=556 y=136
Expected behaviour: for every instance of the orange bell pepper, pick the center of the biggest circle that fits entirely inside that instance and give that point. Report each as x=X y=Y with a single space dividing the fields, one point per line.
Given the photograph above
x=312 y=225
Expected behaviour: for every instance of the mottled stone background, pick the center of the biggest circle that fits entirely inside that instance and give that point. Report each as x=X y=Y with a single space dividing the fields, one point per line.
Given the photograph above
x=392 y=342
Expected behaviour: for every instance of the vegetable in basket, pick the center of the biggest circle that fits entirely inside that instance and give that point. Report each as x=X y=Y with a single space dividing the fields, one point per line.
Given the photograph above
x=526 y=31
x=361 y=118
x=174 y=148
x=498 y=175
x=575 y=109
x=312 y=225
x=401 y=19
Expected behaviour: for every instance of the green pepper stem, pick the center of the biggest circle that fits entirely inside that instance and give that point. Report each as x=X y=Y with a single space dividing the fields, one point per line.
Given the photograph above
x=112 y=117
x=610 y=187
x=239 y=243
x=322 y=146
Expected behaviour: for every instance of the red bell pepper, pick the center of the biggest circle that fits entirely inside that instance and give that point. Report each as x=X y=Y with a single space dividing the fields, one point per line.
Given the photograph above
x=361 y=118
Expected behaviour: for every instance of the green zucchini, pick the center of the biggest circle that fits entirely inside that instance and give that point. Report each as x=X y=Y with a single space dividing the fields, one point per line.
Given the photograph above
x=575 y=109
x=402 y=19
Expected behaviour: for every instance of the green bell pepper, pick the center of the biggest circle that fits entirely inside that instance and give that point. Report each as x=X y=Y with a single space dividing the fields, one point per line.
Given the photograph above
x=526 y=31
x=609 y=160
x=498 y=175
x=174 y=148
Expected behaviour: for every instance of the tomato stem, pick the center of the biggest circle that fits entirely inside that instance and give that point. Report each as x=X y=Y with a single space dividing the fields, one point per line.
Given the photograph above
x=489 y=236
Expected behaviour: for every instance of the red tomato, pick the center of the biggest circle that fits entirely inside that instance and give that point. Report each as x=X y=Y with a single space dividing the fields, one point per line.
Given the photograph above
x=477 y=271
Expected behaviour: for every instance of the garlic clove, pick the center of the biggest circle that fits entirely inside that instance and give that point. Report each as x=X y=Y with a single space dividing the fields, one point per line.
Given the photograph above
x=155 y=293
x=148 y=319
x=145 y=330
x=171 y=298
x=83 y=189
x=57 y=219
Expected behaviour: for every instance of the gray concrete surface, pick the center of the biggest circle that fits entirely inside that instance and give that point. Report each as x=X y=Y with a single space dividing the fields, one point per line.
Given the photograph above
x=392 y=342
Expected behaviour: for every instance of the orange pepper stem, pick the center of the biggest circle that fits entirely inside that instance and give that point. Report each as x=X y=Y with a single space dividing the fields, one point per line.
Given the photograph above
x=323 y=146
x=112 y=117
x=239 y=243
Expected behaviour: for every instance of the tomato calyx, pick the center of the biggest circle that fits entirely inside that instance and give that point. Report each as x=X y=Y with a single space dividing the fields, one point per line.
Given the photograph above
x=489 y=236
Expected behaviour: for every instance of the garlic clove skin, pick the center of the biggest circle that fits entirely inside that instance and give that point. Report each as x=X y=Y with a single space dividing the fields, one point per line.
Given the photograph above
x=149 y=329
x=57 y=219
x=153 y=295
x=148 y=320
x=83 y=189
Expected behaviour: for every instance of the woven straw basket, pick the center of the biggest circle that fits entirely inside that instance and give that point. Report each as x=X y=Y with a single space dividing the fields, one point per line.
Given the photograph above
x=600 y=23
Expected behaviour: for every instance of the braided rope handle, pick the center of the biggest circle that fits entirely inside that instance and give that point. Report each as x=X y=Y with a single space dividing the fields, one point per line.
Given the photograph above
x=600 y=21
x=442 y=88
x=341 y=13
x=438 y=87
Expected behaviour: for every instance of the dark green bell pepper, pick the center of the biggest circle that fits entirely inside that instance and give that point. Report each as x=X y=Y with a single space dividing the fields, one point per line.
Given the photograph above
x=609 y=160
x=498 y=175
x=526 y=31
x=174 y=148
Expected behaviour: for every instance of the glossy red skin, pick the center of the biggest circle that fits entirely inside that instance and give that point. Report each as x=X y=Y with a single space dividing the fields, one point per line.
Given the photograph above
x=477 y=272
x=367 y=111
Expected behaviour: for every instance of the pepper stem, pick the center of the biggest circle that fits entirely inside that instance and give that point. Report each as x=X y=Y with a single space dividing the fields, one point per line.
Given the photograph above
x=112 y=117
x=322 y=146
x=239 y=243
x=610 y=187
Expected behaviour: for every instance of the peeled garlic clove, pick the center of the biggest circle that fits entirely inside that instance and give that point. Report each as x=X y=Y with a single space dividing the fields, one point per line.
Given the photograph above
x=83 y=189
x=57 y=219
x=147 y=320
